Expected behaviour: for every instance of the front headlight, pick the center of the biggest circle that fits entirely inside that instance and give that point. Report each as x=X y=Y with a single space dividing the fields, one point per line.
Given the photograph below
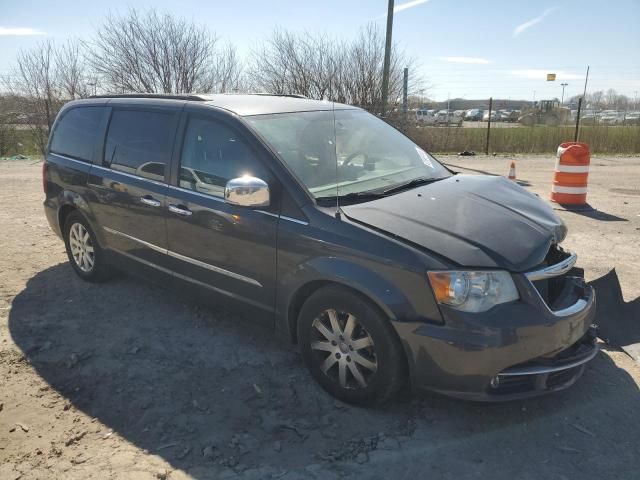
x=472 y=291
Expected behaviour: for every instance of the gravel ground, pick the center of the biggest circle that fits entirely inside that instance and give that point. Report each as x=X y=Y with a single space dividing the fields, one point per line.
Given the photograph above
x=125 y=380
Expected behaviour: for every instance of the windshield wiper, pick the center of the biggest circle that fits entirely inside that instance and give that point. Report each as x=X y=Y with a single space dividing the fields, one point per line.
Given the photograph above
x=353 y=196
x=416 y=182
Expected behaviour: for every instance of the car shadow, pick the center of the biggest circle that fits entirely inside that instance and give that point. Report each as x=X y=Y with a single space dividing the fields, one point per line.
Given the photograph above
x=587 y=210
x=207 y=391
x=618 y=321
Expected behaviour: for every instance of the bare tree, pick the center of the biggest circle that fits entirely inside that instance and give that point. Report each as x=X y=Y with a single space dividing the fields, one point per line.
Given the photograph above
x=33 y=79
x=303 y=64
x=320 y=67
x=159 y=53
x=227 y=74
x=610 y=99
x=71 y=71
x=44 y=78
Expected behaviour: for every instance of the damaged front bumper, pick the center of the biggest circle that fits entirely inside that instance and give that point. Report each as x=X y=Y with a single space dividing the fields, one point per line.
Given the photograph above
x=546 y=374
x=536 y=345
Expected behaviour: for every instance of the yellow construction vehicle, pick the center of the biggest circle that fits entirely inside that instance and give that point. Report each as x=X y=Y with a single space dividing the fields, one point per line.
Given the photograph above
x=545 y=112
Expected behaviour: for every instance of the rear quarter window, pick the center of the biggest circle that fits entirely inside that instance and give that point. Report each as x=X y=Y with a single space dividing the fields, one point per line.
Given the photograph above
x=76 y=132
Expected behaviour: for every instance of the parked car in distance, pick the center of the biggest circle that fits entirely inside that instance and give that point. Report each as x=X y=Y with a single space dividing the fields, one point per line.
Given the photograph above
x=425 y=117
x=495 y=116
x=510 y=116
x=333 y=229
x=474 y=115
x=446 y=117
x=611 y=117
x=589 y=118
x=632 y=118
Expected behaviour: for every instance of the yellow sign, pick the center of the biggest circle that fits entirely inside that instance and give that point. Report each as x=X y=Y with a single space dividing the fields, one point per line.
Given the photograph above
x=551 y=77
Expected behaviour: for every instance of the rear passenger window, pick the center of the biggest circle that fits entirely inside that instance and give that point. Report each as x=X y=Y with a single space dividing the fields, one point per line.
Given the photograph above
x=212 y=154
x=76 y=132
x=140 y=142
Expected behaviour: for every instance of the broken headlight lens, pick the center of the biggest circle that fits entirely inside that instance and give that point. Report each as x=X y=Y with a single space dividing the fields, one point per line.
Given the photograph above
x=473 y=291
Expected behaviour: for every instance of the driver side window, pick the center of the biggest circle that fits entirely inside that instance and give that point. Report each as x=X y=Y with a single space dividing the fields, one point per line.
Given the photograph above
x=213 y=154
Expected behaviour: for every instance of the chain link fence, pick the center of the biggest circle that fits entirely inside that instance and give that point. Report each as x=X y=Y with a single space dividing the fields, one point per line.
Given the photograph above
x=538 y=128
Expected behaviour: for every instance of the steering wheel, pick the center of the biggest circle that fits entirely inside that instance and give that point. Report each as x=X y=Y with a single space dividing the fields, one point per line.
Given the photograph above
x=354 y=155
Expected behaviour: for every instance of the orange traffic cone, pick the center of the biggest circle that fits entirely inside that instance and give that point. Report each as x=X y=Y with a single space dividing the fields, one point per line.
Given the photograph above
x=512 y=171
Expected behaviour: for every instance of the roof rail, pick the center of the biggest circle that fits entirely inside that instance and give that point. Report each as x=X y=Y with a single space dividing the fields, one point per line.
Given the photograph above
x=202 y=97
x=292 y=95
x=169 y=96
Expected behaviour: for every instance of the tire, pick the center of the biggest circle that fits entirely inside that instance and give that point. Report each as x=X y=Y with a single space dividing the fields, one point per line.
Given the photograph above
x=552 y=121
x=527 y=121
x=373 y=348
x=85 y=256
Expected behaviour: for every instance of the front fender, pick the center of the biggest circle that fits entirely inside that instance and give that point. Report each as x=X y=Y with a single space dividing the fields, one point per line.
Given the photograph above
x=316 y=271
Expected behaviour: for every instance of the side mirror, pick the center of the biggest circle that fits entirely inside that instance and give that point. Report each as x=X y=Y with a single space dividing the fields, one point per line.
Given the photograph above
x=247 y=192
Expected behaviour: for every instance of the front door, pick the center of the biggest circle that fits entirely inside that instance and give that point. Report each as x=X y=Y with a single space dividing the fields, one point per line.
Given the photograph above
x=227 y=249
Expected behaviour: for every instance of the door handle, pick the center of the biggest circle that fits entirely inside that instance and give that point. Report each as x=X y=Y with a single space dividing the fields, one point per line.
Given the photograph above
x=180 y=210
x=149 y=200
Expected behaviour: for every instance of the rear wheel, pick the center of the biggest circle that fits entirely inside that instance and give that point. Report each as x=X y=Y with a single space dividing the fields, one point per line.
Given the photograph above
x=85 y=255
x=350 y=347
x=552 y=121
x=527 y=121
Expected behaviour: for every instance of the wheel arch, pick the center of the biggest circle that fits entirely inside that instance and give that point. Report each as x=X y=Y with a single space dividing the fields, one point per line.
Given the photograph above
x=63 y=213
x=70 y=201
x=323 y=272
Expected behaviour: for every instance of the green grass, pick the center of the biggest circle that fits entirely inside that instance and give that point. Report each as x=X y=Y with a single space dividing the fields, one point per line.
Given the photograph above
x=11 y=138
x=539 y=139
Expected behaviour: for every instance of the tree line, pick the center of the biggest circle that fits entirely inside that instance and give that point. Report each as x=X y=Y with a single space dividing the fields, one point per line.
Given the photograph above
x=607 y=100
x=152 y=52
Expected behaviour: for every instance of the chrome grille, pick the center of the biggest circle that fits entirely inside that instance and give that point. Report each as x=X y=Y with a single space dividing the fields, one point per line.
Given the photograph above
x=549 y=279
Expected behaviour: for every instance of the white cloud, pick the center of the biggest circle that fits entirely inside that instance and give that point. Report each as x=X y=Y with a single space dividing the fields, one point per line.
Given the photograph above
x=530 y=23
x=19 y=31
x=540 y=74
x=469 y=60
x=405 y=6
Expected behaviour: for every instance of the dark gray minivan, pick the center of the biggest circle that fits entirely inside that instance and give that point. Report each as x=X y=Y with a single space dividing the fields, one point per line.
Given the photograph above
x=333 y=228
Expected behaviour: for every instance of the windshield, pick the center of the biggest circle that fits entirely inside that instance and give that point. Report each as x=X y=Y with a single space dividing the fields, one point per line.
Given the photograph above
x=371 y=155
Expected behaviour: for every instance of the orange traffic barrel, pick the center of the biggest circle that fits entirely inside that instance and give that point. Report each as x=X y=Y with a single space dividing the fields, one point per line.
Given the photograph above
x=571 y=174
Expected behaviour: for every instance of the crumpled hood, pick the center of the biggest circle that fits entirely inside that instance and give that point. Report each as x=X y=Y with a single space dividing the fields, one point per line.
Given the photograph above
x=473 y=220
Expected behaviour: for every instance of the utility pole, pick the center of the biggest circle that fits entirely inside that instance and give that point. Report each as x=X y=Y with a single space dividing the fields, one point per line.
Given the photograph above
x=580 y=100
x=586 y=78
x=562 y=100
x=486 y=148
x=577 y=134
x=387 y=59
x=405 y=91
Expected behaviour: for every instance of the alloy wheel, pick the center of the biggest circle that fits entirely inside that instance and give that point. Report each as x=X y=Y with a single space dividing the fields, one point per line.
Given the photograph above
x=344 y=349
x=81 y=246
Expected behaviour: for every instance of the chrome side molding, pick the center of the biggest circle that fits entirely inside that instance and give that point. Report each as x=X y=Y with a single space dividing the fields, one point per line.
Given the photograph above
x=184 y=258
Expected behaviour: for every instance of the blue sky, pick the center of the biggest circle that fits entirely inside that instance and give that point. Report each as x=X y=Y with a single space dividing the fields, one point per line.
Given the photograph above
x=465 y=48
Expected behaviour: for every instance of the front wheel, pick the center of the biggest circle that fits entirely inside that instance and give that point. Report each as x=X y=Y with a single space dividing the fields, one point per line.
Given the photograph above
x=85 y=255
x=350 y=347
x=552 y=121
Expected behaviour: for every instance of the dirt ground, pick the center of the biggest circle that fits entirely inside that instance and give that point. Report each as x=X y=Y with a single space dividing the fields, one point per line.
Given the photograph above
x=125 y=380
